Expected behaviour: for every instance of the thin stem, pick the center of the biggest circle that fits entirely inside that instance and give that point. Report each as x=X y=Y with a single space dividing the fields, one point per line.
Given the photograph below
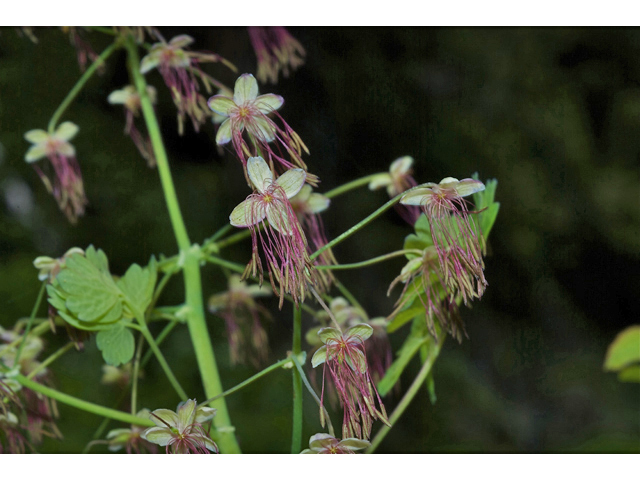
x=359 y=182
x=231 y=239
x=366 y=263
x=163 y=283
x=236 y=267
x=30 y=322
x=163 y=334
x=50 y=359
x=135 y=375
x=162 y=361
x=296 y=434
x=196 y=323
x=324 y=415
x=249 y=380
x=348 y=295
x=83 y=404
x=360 y=224
x=37 y=331
x=413 y=389
x=80 y=84
x=220 y=233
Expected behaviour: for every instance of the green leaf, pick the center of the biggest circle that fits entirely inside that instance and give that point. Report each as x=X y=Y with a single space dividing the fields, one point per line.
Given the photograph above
x=624 y=350
x=485 y=200
x=630 y=374
x=431 y=389
x=137 y=285
x=116 y=344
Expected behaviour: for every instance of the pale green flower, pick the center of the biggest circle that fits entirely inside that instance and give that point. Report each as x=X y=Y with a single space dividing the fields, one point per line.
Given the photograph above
x=46 y=144
x=321 y=443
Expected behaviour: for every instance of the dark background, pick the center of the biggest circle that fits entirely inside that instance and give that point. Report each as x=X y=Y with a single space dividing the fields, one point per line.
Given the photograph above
x=553 y=114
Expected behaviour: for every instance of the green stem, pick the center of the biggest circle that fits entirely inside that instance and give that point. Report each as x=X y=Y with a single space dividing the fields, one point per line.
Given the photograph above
x=349 y=296
x=359 y=182
x=135 y=374
x=198 y=331
x=161 y=360
x=324 y=415
x=80 y=84
x=235 y=267
x=83 y=404
x=50 y=359
x=296 y=435
x=231 y=239
x=37 y=331
x=413 y=389
x=249 y=380
x=30 y=322
x=366 y=263
x=361 y=224
x=163 y=334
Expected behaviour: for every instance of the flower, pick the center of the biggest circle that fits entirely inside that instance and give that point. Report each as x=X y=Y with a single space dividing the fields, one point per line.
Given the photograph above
x=83 y=48
x=277 y=51
x=458 y=242
x=283 y=242
x=308 y=205
x=248 y=111
x=179 y=69
x=321 y=443
x=66 y=184
x=130 y=438
x=397 y=181
x=50 y=267
x=182 y=431
x=241 y=314
x=343 y=354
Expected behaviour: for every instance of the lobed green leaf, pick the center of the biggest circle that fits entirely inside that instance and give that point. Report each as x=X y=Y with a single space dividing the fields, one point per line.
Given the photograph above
x=116 y=344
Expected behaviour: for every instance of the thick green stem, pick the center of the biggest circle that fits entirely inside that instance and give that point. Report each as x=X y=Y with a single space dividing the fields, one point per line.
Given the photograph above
x=408 y=397
x=296 y=434
x=27 y=329
x=193 y=286
x=359 y=182
x=80 y=84
x=83 y=404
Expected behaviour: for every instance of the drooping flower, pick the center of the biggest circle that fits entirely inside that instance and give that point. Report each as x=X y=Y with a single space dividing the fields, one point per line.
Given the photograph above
x=457 y=239
x=11 y=436
x=277 y=51
x=322 y=443
x=283 y=242
x=308 y=205
x=130 y=439
x=66 y=181
x=249 y=112
x=182 y=431
x=84 y=51
x=181 y=73
x=241 y=313
x=343 y=354
x=129 y=98
x=397 y=181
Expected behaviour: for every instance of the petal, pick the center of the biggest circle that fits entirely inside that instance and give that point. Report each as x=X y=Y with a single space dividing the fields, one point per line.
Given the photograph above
x=269 y=102
x=379 y=181
x=262 y=129
x=218 y=302
x=307 y=451
x=249 y=212
x=303 y=195
x=66 y=149
x=329 y=333
x=359 y=332
x=35 y=153
x=446 y=180
x=186 y=414
x=318 y=203
x=292 y=181
x=259 y=291
x=401 y=166
x=149 y=62
x=356 y=361
x=181 y=41
x=163 y=417
x=245 y=90
x=221 y=104
x=36 y=136
x=259 y=173
x=319 y=357
x=158 y=435
x=204 y=414
x=66 y=131
x=321 y=441
x=210 y=444
x=354 y=444
x=417 y=197
x=118 y=97
x=469 y=186
x=224 y=132
x=279 y=219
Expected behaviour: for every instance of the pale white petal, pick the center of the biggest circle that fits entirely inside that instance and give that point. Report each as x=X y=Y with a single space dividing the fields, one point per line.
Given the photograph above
x=417 y=197
x=320 y=441
x=259 y=173
x=186 y=414
x=224 y=132
x=469 y=186
x=303 y=195
x=249 y=212
x=119 y=97
x=163 y=417
x=446 y=180
x=262 y=129
x=66 y=149
x=149 y=62
x=36 y=136
x=318 y=203
x=269 y=102
x=401 y=166
x=292 y=181
x=279 y=220
x=245 y=90
x=66 y=131
x=181 y=41
x=221 y=104
x=35 y=153
x=380 y=181
x=158 y=435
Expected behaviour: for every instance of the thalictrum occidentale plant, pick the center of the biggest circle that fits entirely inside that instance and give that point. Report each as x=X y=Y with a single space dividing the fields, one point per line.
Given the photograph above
x=322 y=443
x=277 y=51
x=397 y=181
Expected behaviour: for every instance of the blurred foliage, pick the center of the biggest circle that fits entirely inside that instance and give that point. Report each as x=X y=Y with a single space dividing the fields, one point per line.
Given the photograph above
x=553 y=114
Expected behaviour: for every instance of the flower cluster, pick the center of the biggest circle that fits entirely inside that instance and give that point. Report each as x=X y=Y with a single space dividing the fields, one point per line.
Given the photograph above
x=321 y=443
x=241 y=313
x=277 y=51
x=130 y=439
x=343 y=354
x=65 y=182
x=397 y=181
x=180 y=70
